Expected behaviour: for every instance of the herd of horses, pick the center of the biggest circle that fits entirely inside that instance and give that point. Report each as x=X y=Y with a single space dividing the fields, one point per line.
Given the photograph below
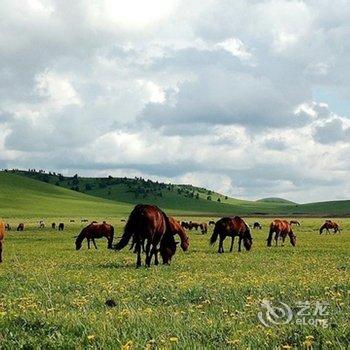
x=151 y=231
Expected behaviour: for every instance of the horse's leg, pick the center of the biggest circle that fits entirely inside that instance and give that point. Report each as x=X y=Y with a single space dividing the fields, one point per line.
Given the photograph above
x=154 y=251
x=0 y=251
x=94 y=243
x=269 y=238
x=148 y=255
x=88 y=243
x=221 y=245
x=239 y=243
x=283 y=239
x=138 y=251
x=232 y=240
x=276 y=238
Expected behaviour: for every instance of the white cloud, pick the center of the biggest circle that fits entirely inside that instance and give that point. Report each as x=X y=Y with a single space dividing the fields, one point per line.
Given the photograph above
x=217 y=93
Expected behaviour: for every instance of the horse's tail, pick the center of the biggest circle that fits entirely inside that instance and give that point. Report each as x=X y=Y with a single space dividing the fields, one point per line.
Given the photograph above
x=215 y=234
x=128 y=233
x=269 y=238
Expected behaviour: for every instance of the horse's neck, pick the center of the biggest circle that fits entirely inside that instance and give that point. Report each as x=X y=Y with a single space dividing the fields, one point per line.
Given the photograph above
x=81 y=236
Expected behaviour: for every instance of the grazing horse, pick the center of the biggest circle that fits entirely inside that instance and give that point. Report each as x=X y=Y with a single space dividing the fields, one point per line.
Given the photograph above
x=257 y=226
x=330 y=225
x=7 y=227
x=294 y=222
x=192 y=225
x=212 y=222
x=232 y=227
x=20 y=227
x=2 y=237
x=204 y=227
x=281 y=228
x=41 y=224
x=61 y=226
x=185 y=225
x=53 y=226
x=93 y=231
x=148 y=224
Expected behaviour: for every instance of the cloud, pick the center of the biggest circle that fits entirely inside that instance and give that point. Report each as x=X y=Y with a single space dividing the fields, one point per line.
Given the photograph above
x=221 y=94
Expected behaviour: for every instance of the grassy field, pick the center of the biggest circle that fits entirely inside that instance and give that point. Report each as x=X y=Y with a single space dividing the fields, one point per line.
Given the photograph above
x=25 y=196
x=53 y=297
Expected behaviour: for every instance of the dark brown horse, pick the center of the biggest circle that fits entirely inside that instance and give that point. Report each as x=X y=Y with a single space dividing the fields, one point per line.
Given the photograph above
x=330 y=225
x=257 y=225
x=20 y=227
x=294 y=222
x=2 y=237
x=281 y=229
x=232 y=227
x=61 y=226
x=149 y=225
x=93 y=231
x=53 y=226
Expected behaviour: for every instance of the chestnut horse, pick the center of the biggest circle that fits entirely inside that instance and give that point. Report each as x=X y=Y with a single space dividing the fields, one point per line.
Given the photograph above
x=93 y=231
x=281 y=228
x=2 y=237
x=330 y=225
x=204 y=227
x=148 y=224
x=232 y=227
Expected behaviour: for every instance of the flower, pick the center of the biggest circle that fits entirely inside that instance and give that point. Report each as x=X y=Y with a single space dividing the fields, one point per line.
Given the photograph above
x=174 y=339
x=128 y=345
x=91 y=337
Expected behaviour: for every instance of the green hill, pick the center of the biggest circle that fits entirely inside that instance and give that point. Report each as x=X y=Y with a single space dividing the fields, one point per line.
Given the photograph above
x=23 y=197
x=39 y=194
x=275 y=200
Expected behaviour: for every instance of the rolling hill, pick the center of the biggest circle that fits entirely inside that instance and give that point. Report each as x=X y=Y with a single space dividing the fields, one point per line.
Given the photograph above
x=32 y=193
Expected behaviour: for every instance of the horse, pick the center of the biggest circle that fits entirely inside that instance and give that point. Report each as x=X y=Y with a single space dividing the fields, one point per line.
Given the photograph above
x=281 y=228
x=84 y=220
x=20 y=227
x=257 y=226
x=232 y=227
x=212 y=222
x=41 y=224
x=53 y=226
x=7 y=227
x=330 y=225
x=185 y=224
x=71 y=220
x=148 y=223
x=2 y=237
x=204 y=227
x=192 y=225
x=61 y=226
x=294 y=222
x=93 y=231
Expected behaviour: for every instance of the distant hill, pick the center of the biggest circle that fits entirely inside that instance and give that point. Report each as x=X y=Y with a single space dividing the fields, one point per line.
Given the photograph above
x=275 y=200
x=39 y=193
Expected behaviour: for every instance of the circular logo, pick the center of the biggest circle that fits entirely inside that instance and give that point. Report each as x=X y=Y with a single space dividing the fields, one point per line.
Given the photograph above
x=275 y=315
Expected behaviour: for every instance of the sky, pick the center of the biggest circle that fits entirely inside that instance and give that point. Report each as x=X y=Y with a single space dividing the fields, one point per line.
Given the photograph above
x=249 y=98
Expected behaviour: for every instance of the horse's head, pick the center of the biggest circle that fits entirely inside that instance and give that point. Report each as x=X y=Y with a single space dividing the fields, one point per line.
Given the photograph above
x=247 y=239
x=168 y=249
x=79 y=240
x=77 y=244
x=185 y=243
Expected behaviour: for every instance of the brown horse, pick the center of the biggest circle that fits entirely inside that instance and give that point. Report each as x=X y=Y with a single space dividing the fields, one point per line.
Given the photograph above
x=2 y=237
x=204 y=227
x=93 y=231
x=61 y=226
x=212 y=222
x=148 y=224
x=330 y=225
x=20 y=227
x=232 y=227
x=193 y=225
x=294 y=222
x=281 y=228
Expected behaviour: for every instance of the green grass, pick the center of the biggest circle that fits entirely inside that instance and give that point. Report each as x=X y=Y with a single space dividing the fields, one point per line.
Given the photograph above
x=53 y=297
x=178 y=199
x=27 y=198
